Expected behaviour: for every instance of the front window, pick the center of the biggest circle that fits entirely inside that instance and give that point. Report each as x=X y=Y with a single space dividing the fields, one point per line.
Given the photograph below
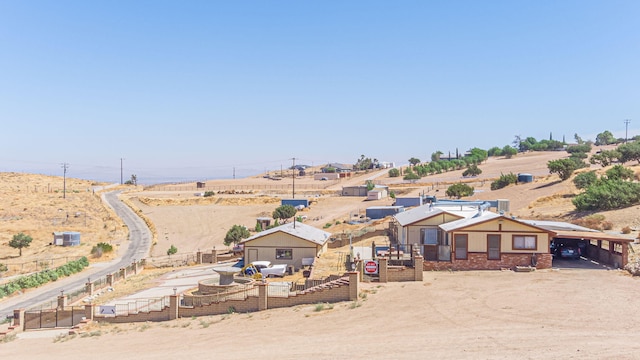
x=284 y=254
x=493 y=247
x=461 y=243
x=525 y=242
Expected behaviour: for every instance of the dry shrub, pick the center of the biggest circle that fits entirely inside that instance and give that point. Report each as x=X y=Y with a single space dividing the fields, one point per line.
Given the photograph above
x=595 y=222
x=633 y=268
x=626 y=230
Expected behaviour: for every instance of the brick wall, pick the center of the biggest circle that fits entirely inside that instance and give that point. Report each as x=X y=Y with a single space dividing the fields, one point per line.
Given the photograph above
x=478 y=261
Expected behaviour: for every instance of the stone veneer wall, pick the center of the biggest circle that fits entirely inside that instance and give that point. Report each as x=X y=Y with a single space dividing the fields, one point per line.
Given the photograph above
x=478 y=261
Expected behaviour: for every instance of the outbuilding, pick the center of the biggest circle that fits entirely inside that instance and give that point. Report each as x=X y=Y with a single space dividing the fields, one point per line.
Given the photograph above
x=286 y=244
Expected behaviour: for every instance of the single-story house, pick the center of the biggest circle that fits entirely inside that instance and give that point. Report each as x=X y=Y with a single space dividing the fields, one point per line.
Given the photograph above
x=491 y=241
x=286 y=244
x=337 y=167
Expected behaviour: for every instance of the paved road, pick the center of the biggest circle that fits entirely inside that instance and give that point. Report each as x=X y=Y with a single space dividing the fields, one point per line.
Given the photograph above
x=139 y=245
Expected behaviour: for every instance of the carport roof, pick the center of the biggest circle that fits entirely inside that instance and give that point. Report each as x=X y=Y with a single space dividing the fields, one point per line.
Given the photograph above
x=591 y=235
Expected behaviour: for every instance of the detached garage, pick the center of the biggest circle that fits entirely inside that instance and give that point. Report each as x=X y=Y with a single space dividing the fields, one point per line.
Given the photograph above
x=286 y=244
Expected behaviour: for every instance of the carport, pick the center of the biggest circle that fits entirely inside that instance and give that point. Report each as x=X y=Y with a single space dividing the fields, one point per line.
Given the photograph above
x=608 y=249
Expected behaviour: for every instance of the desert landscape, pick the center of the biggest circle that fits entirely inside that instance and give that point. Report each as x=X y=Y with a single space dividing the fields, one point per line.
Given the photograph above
x=556 y=313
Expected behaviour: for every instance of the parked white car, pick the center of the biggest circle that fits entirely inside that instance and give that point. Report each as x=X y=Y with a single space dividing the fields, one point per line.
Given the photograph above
x=268 y=270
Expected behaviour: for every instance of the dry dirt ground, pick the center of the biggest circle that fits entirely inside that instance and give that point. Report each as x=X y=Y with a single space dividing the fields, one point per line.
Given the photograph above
x=566 y=314
x=490 y=315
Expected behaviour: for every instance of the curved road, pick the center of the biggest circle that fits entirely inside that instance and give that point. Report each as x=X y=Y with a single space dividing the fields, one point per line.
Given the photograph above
x=139 y=245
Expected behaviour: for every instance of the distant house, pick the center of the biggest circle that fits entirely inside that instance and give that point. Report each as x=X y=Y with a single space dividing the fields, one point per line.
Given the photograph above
x=286 y=244
x=337 y=167
x=363 y=190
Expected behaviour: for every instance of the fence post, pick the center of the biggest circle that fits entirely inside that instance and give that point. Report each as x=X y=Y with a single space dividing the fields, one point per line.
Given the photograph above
x=18 y=319
x=382 y=269
x=173 y=307
x=110 y=280
x=417 y=268
x=354 y=281
x=214 y=256
x=134 y=267
x=262 y=296
x=123 y=273
x=88 y=312
x=89 y=288
x=199 y=257
x=62 y=302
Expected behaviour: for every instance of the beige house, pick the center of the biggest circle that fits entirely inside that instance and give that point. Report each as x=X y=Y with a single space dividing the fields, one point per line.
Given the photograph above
x=286 y=244
x=491 y=241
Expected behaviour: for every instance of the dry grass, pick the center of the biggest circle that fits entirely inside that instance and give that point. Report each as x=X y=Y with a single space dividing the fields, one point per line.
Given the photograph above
x=34 y=205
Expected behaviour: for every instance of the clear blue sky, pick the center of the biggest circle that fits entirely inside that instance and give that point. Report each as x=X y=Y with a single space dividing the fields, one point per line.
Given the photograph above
x=192 y=89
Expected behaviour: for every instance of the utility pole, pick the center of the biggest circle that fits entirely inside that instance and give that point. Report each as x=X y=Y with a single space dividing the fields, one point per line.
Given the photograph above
x=121 y=178
x=626 y=129
x=65 y=166
x=293 y=167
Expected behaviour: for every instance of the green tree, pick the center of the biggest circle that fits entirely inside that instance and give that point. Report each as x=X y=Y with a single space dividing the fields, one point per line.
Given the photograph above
x=236 y=234
x=629 y=152
x=370 y=185
x=172 y=250
x=582 y=148
x=472 y=170
x=394 y=172
x=436 y=155
x=494 y=151
x=509 y=151
x=20 y=241
x=410 y=175
x=459 y=190
x=605 y=157
x=414 y=161
x=563 y=167
x=284 y=212
x=605 y=138
x=478 y=155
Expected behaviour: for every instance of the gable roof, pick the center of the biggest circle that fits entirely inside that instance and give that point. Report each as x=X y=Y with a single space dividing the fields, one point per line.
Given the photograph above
x=297 y=229
x=463 y=223
x=420 y=213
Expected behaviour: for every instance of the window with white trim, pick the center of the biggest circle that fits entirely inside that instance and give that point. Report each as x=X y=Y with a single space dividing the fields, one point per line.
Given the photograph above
x=525 y=242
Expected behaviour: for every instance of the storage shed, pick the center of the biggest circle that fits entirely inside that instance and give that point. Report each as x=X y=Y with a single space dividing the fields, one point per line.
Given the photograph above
x=376 y=194
x=380 y=212
x=296 y=202
x=408 y=201
x=66 y=238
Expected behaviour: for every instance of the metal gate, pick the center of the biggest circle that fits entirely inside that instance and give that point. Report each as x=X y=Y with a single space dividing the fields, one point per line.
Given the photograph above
x=54 y=318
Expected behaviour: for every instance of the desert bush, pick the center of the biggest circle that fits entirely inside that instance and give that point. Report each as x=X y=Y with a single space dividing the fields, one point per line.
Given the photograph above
x=626 y=230
x=172 y=250
x=608 y=195
x=586 y=179
x=209 y=193
x=503 y=181
x=394 y=172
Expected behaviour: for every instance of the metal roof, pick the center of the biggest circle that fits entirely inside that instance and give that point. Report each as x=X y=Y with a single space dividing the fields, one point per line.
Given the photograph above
x=297 y=229
x=462 y=223
x=428 y=210
x=556 y=225
x=583 y=235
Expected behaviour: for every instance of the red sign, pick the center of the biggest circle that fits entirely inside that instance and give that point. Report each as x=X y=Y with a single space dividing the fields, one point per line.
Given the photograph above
x=371 y=267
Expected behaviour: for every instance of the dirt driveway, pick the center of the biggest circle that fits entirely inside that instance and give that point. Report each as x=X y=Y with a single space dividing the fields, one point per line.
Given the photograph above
x=550 y=314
